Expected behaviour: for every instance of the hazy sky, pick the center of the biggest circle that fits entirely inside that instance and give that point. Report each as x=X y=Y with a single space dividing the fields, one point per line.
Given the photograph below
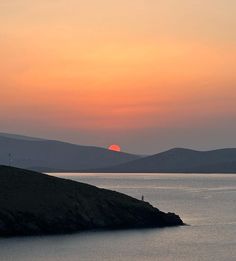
x=146 y=74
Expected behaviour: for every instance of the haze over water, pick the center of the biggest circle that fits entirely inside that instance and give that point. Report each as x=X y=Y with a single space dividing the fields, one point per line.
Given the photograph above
x=205 y=201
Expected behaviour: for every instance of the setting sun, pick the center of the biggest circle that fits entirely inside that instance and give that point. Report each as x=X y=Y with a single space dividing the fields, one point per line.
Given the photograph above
x=115 y=147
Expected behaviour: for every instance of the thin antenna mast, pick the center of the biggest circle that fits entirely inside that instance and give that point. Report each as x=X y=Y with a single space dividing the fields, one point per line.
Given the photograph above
x=9 y=159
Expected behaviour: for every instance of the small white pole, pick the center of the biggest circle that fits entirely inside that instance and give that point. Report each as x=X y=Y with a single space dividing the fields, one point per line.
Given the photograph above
x=9 y=159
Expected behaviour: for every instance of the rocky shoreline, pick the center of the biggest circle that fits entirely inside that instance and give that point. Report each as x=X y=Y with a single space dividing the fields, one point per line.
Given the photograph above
x=32 y=203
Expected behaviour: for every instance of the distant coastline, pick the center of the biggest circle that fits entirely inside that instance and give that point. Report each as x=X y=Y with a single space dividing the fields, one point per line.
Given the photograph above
x=56 y=156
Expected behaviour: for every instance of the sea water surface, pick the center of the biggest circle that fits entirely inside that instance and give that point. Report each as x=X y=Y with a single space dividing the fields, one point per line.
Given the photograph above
x=207 y=202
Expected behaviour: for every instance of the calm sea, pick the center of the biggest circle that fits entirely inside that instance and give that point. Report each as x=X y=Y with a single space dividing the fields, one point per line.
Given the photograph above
x=207 y=202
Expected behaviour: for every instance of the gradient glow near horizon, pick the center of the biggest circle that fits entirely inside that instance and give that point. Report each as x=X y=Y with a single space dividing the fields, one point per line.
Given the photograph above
x=148 y=75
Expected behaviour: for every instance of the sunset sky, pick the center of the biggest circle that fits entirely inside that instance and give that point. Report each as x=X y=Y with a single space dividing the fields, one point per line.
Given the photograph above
x=146 y=74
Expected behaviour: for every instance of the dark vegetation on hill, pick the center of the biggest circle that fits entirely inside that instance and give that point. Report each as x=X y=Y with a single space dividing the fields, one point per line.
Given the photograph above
x=32 y=203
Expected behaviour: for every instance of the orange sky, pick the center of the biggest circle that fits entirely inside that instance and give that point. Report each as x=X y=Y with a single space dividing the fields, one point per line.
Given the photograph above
x=89 y=70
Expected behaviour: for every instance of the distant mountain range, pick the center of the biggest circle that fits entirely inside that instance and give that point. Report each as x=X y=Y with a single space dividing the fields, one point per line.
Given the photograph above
x=52 y=156
x=180 y=160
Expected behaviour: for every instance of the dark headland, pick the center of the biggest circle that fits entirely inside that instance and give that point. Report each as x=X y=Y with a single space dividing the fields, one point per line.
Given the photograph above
x=32 y=203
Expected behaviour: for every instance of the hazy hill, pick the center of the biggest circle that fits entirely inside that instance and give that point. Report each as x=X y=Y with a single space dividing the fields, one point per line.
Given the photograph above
x=18 y=137
x=182 y=160
x=33 y=203
x=50 y=155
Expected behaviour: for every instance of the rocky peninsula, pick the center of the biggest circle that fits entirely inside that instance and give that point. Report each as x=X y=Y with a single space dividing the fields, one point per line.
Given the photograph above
x=33 y=203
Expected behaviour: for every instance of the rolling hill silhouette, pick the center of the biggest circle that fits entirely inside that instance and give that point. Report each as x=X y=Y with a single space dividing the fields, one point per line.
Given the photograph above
x=51 y=155
x=181 y=160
